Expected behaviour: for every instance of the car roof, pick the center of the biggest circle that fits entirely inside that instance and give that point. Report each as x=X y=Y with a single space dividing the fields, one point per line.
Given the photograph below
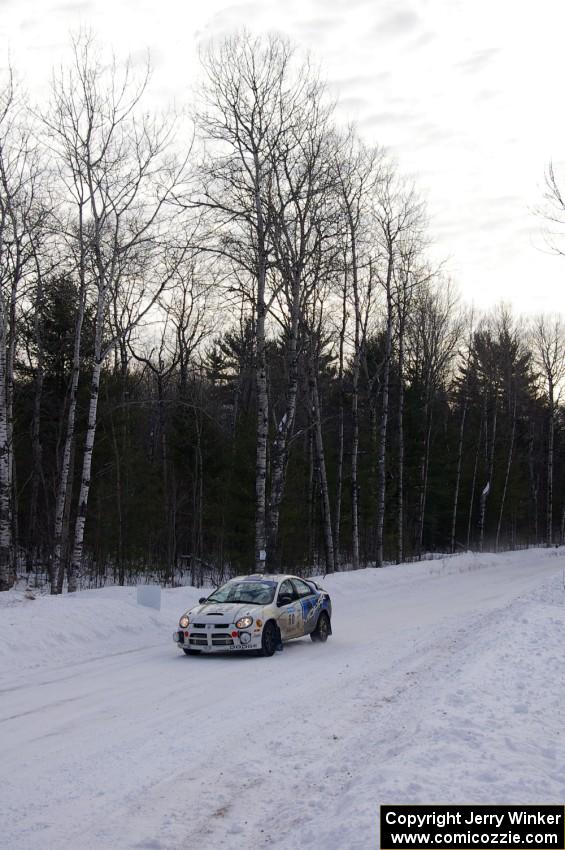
x=264 y=577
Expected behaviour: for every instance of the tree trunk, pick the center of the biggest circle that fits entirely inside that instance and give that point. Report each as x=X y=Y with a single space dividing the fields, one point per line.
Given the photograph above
x=11 y=359
x=340 y=430
x=7 y=575
x=486 y=490
x=262 y=429
x=550 y=442
x=381 y=461
x=279 y=459
x=123 y=462
x=355 y=402
x=36 y=447
x=373 y=464
x=507 y=475
x=354 y=465
x=261 y=449
x=458 y=473
x=76 y=559
x=339 y=486
x=533 y=482
x=60 y=534
x=473 y=485
x=199 y=515
x=400 y=510
x=484 y=495
x=119 y=496
x=324 y=490
x=80 y=522
x=424 y=466
x=310 y=492
x=7 y=355
x=163 y=452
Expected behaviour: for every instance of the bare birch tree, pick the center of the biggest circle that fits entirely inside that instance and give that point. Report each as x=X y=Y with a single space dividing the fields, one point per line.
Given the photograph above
x=435 y=334
x=121 y=173
x=548 y=344
x=253 y=100
x=22 y=215
x=408 y=278
x=304 y=225
x=399 y=218
x=315 y=324
x=554 y=210
x=464 y=403
x=358 y=172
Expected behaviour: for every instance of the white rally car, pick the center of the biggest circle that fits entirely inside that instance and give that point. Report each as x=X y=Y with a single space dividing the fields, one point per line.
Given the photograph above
x=256 y=612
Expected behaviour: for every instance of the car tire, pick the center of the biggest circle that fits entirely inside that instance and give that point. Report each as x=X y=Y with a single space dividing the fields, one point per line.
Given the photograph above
x=191 y=651
x=323 y=629
x=269 y=640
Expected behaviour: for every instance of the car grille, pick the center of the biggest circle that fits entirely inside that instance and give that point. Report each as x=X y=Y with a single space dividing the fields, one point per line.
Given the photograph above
x=222 y=640
x=216 y=625
x=215 y=640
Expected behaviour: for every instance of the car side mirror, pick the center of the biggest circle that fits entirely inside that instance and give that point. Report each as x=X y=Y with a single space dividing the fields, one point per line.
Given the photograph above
x=285 y=599
x=202 y=600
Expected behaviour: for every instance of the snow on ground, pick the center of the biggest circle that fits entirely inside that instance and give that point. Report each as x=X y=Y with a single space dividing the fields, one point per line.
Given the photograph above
x=443 y=682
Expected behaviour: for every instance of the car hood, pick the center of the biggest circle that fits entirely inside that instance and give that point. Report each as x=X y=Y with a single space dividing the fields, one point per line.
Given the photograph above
x=223 y=612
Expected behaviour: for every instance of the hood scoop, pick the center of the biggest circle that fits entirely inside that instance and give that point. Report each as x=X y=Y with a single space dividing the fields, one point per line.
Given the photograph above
x=215 y=613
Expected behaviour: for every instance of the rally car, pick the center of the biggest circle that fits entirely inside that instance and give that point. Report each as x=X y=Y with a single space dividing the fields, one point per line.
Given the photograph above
x=256 y=612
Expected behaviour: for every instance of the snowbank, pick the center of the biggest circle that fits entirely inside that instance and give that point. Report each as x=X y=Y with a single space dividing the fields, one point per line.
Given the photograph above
x=441 y=683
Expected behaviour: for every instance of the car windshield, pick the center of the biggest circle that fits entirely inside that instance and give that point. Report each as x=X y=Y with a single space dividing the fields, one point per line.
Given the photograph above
x=254 y=592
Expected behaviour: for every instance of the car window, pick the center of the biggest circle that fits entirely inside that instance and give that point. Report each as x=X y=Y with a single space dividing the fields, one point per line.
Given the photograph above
x=286 y=588
x=256 y=592
x=302 y=588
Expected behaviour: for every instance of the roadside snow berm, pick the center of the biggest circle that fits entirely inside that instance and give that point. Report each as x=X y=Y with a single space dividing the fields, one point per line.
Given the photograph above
x=149 y=595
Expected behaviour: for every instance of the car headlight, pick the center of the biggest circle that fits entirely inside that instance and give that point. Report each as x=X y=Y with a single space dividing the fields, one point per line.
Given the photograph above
x=244 y=623
x=183 y=622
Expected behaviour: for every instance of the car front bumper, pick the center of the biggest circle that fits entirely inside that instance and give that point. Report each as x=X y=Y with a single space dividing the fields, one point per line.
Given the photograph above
x=216 y=640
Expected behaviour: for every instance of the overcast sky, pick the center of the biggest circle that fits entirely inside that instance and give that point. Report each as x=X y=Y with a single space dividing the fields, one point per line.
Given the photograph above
x=466 y=94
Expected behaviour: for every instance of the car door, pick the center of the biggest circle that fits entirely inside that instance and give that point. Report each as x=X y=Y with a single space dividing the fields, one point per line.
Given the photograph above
x=290 y=612
x=309 y=605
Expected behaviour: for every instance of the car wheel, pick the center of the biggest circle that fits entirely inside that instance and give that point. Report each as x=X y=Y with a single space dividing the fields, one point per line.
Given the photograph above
x=322 y=630
x=191 y=651
x=269 y=640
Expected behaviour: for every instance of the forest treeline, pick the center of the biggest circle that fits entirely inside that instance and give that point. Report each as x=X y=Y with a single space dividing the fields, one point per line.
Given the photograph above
x=224 y=346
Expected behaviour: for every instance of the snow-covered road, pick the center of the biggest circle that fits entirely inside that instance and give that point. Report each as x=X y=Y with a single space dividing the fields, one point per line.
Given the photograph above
x=443 y=682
